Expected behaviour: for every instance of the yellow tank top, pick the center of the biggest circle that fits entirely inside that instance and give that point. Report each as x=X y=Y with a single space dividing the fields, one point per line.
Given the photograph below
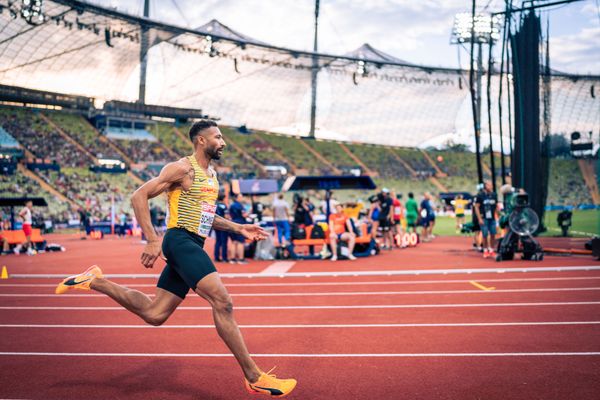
x=194 y=209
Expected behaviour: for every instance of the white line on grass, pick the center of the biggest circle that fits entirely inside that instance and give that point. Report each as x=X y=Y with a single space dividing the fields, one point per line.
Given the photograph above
x=300 y=326
x=332 y=355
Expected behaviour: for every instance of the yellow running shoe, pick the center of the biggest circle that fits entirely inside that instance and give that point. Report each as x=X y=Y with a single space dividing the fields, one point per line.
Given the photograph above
x=271 y=386
x=81 y=281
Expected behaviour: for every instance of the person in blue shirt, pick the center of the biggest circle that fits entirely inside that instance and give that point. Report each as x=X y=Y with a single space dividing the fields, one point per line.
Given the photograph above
x=238 y=214
x=427 y=217
x=221 y=236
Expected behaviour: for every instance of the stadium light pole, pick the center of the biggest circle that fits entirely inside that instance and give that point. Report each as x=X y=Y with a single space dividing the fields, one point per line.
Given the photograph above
x=476 y=29
x=143 y=56
x=313 y=75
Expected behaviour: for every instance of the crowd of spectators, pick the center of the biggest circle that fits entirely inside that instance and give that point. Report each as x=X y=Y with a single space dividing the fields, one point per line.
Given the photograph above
x=141 y=151
x=41 y=139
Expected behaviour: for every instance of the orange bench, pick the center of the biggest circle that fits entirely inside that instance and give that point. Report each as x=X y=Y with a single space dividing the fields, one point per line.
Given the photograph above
x=18 y=237
x=365 y=236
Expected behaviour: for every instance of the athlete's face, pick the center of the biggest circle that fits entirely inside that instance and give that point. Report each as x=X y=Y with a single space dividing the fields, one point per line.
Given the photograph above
x=213 y=143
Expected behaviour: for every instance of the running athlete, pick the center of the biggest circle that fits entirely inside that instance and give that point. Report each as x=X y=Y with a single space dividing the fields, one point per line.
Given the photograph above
x=192 y=189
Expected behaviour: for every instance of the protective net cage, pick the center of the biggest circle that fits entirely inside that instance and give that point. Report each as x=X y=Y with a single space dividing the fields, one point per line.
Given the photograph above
x=84 y=49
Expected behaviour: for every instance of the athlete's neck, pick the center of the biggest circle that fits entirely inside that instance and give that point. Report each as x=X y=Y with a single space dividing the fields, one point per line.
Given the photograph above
x=202 y=159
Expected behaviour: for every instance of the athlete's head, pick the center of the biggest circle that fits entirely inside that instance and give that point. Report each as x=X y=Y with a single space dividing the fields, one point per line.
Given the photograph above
x=487 y=185
x=29 y=204
x=206 y=137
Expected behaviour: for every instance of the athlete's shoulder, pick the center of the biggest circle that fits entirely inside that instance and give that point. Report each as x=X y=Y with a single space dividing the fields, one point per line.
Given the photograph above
x=176 y=169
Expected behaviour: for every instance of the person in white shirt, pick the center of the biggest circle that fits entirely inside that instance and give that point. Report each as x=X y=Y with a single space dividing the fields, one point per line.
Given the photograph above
x=281 y=216
x=25 y=215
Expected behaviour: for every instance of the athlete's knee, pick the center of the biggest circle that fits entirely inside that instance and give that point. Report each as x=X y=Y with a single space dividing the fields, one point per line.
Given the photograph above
x=223 y=304
x=155 y=319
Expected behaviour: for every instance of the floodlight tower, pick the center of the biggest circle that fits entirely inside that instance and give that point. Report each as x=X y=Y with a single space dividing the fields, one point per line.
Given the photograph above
x=476 y=29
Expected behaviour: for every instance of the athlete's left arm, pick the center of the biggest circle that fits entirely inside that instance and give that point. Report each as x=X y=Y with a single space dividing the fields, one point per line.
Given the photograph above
x=253 y=232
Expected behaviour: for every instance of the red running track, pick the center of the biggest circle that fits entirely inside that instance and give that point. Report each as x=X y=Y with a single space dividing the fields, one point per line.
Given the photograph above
x=534 y=336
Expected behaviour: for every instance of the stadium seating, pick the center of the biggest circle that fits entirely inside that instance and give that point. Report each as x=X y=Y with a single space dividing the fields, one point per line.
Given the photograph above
x=333 y=153
x=566 y=184
x=81 y=131
x=38 y=137
x=91 y=189
x=256 y=147
x=18 y=185
x=296 y=153
x=378 y=158
x=167 y=136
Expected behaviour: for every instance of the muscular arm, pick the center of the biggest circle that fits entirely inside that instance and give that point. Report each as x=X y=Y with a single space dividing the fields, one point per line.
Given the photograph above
x=171 y=174
x=223 y=224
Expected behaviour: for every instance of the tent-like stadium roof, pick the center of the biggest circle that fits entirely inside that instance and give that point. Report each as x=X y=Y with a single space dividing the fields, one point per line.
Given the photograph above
x=93 y=51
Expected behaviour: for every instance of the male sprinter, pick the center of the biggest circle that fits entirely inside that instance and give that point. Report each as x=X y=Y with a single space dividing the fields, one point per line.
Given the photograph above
x=192 y=190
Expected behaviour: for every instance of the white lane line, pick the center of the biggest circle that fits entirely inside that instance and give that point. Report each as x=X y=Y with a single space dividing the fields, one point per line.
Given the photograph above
x=298 y=326
x=294 y=294
x=354 y=273
x=316 y=355
x=277 y=268
x=358 y=283
x=346 y=307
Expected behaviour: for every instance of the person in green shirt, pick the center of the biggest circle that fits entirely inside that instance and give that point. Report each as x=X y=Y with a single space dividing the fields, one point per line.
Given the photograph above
x=412 y=213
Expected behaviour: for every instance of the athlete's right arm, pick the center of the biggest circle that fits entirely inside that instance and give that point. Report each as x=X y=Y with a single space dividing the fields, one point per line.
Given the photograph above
x=171 y=174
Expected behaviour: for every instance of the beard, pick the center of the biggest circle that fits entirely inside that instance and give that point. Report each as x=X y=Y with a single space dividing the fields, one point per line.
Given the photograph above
x=214 y=154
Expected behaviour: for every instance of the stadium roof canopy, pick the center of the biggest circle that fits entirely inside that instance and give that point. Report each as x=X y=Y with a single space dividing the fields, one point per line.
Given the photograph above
x=365 y=95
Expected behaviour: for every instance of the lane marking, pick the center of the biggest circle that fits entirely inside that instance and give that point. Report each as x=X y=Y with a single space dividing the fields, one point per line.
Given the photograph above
x=343 y=307
x=358 y=283
x=298 y=326
x=304 y=294
x=277 y=268
x=480 y=286
x=315 y=355
x=354 y=273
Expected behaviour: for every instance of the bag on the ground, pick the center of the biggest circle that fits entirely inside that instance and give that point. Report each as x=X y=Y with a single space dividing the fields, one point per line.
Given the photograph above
x=317 y=232
x=298 y=232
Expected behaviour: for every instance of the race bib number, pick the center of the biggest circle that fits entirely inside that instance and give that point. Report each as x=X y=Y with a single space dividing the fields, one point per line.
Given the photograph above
x=489 y=214
x=207 y=217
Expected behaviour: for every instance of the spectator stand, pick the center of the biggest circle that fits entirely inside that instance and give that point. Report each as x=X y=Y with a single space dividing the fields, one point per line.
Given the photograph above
x=329 y=183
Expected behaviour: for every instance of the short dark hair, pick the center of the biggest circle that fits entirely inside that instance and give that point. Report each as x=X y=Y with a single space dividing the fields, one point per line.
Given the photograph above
x=199 y=126
x=411 y=195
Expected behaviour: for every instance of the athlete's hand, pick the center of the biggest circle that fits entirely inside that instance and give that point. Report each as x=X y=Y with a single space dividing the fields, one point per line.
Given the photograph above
x=253 y=232
x=151 y=252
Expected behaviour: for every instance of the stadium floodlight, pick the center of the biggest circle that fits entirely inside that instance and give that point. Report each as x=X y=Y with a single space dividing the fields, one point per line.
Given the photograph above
x=31 y=11
x=486 y=28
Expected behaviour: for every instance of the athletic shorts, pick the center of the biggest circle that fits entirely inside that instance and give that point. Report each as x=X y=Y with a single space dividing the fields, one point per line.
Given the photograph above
x=385 y=224
x=27 y=229
x=488 y=227
x=460 y=215
x=187 y=262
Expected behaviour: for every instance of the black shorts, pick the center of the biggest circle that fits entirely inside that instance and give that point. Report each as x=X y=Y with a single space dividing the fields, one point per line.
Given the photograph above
x=187 y=262
x=385 y=224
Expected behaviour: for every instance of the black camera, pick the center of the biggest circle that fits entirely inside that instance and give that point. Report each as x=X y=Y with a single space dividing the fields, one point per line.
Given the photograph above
x=521 y=200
